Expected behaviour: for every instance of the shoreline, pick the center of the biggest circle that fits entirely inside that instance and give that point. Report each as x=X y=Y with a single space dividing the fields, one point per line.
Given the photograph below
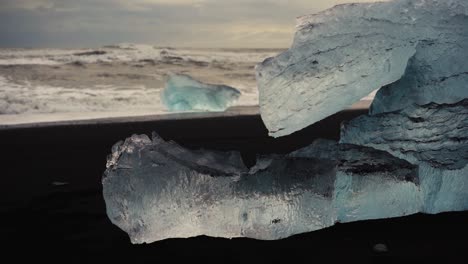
x=79 y=118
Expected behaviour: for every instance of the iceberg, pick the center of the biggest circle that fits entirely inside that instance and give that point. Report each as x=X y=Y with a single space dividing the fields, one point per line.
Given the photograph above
x=344 y=53
x=183 y=93
x=434 y=137
x=156 y=190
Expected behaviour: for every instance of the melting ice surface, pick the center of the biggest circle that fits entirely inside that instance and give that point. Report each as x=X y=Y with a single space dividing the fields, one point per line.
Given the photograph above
x=438 y=73
x=342 y=54
x=156 y=190
x=183 y=93
x=433 y=136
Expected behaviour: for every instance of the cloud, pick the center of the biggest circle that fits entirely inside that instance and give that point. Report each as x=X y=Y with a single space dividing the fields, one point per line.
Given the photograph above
x=26 y=4
x=171 y=2
x=200 y=23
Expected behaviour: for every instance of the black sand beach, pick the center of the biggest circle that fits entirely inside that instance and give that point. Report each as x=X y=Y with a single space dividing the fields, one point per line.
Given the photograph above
x=52 y=206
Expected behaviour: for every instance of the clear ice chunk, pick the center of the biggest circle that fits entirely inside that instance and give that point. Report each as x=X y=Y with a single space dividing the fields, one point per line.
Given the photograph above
x=183 y=93
x=156 y=190
x=344 y=53
x=433 y=136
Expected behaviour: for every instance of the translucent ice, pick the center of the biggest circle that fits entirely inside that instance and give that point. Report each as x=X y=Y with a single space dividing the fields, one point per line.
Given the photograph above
x=433 y=136
x=370 y=184
x=344 y=53
x=438 y=72
x=156 y=190
x=183 y=93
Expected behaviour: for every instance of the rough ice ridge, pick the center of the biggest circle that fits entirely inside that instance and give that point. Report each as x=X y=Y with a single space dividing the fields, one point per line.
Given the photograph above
x=344 y=53
x=156 y=190
x=433 y=136
x=438 y=72
x=183 y=93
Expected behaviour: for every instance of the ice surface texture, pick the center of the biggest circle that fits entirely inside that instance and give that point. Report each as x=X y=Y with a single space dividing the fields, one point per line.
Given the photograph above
x=438 y=72
x=344 y=53
x=183 y=93
x=369 y=184
x=433 y=136
x=156 y=190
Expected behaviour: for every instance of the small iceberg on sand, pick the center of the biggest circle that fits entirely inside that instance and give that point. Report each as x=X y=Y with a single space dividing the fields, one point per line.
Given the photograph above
x=183 y=93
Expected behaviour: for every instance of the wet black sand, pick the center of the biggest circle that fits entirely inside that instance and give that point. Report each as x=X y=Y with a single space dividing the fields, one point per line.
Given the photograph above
x=67 y=223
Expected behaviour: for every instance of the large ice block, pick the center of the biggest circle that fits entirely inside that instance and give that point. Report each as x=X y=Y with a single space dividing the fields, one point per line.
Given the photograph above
x=156 y=190
x=433 y=136
x=344 y=53
x=183 y=93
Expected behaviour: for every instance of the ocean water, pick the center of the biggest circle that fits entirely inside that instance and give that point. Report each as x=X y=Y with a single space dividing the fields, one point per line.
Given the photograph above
x=123 y=79
x=42 y=85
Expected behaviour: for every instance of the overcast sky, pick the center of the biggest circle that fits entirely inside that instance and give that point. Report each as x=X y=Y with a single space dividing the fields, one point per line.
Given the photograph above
x=179 y=23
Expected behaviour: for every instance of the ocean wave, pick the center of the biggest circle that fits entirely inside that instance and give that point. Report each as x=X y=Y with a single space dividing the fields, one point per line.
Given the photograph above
x=132 y=53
